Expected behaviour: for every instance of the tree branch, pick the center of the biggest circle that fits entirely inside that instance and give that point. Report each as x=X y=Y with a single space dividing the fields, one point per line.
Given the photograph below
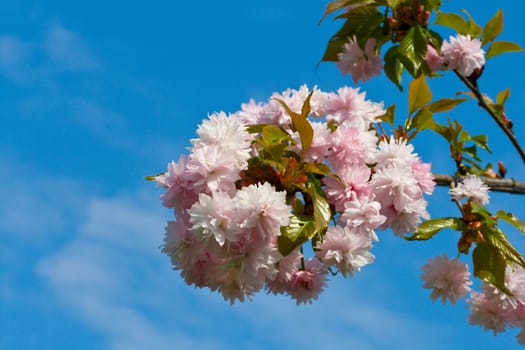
x=483 y=104
x=496 y=185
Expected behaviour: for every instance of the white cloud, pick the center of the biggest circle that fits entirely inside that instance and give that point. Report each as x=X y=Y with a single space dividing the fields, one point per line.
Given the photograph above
x=67 y=51
x=34 y=207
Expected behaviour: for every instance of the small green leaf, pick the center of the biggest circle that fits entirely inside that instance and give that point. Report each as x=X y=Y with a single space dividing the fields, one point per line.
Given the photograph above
x=301 y=124
x=454 y=21
x=338 y=5
x=389 y=115
x=482 y=214
x=500 y=47
x=511 y=219
x=430 y=228
x=423 y=120
x=418 y=94
x=318 y=168
x=482 y=142
x=393 y=67
x=322 y=211
x=493 y=28
x=445 y=104
x=299 y=230
x=273 y=133
x=474 y=28
x=333 y=48
x=497 y=238
x=489 y=266
x=152 y=177
x=502 y=96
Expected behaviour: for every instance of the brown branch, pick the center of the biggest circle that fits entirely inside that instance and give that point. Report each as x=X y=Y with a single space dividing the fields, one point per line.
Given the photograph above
x=483 y=104
x=496 y=185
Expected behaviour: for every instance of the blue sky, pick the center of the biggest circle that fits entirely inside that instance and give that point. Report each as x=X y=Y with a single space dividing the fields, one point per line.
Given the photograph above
x=97 y=94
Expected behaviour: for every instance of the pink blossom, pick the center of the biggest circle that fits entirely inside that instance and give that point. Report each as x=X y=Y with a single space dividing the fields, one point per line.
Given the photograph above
x=423 y=176
x=463 y=54
x=362 y=215
x=407 y=219
x=449 y=279
x=394 y=152
x=351 y=146
x=179 y=194
x=227 y=134
x=211 y=168
x=351 y=182
x=361 y=65
x=396 y=187
x=345 y=249
x=434 y=59
x=250 y=112
x=189 y=255
x=486 y=312
x=213 y=219
x=350 y=106
x=288 y=266
x=262 y=209
x=306 y=285
x=244 y=272
x=472 y=188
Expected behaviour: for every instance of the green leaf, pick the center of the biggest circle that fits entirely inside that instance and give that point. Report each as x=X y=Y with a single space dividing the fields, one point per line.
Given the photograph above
x=318 y=168
x=489 y=266
x=412 y=51
x=474 y=28
x=423 y=120
x=322 y=211
x=445 y=104
x=482 y=214
x=340 y=4
x=497 y=238
x=333 y=48
x=299 y=230
x=502 y=96
x=500 y=47
x=273 y=133
x=454 y=21
x=511 y=219
x=153 y=177
x=418 y=94
x=430 y=228
x=393 y=67
x=389 y=115
x=493 y=28
x=482 y=142
x=301 y=124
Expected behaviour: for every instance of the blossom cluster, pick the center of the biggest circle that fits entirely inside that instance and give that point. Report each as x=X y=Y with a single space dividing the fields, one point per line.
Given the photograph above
x=493 y=309
x=230 y=215
x=461 y=53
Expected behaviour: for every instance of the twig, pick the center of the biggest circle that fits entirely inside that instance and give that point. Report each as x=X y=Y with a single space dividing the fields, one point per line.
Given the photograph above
x=483 y=104
x=496 y=185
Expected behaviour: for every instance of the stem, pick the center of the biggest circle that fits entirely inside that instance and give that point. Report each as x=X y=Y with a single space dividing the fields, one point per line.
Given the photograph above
x=496 y=185
x=494 y=116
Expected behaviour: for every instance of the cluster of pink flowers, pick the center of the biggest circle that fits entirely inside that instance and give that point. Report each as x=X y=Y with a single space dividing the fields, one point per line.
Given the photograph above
x=449 y=279
x=461 y=53
x=360 y=64
x=225 y=236
x=494 y=310
x=473 y=189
